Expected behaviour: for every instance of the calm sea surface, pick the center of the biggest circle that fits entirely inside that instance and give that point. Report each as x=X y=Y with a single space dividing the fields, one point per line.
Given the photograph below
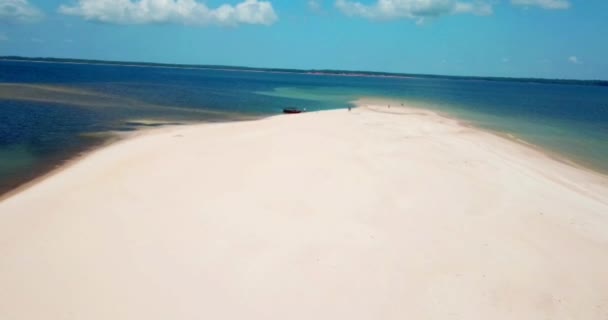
x=50 y=112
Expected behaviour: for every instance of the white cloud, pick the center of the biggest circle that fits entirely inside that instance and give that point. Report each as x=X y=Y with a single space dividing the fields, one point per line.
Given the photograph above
x=412 y=9
x=314 y=5
x=575 y=60
x=188 y=12
x=19 y=11
x=545 y=4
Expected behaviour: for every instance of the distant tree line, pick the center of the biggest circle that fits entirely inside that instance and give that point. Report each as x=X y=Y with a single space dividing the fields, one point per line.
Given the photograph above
x=312 y=71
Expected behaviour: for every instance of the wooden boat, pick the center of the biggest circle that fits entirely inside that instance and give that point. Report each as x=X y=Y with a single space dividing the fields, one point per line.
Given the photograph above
x=293 y=110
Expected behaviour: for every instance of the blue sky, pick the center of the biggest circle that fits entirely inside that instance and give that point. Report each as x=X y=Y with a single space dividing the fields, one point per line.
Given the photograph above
x=514 y=38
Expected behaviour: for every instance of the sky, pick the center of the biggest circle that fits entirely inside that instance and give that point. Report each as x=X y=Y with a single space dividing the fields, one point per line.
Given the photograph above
x=565 y=39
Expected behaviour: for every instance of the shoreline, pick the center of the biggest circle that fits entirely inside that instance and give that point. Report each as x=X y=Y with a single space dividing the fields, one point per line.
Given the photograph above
x=113 y=137
x=117 y=137
x=330 y=215
x=383 y=74
x=378 y=105
x=309 y=73
x=56 y=168
x=554 y=155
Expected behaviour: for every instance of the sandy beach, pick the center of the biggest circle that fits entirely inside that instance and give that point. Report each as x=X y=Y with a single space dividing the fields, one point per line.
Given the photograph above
x=375 y=213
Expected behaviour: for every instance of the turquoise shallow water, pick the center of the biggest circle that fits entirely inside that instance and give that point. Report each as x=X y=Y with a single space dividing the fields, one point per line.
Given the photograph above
x=51 y=111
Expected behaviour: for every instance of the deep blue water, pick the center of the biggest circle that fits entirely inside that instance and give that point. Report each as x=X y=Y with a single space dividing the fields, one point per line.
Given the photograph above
x=51 y=111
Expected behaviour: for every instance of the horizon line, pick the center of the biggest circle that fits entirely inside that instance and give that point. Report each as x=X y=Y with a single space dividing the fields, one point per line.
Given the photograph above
x=334 y=72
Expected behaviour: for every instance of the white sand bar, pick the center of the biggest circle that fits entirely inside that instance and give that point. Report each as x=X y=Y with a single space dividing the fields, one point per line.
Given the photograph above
x=330 y=215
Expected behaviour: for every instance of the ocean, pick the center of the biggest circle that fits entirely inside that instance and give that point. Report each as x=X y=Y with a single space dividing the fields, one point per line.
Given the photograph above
x=50 y=112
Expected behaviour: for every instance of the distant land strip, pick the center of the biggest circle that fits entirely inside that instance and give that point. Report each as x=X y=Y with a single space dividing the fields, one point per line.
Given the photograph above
x=327 y=72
